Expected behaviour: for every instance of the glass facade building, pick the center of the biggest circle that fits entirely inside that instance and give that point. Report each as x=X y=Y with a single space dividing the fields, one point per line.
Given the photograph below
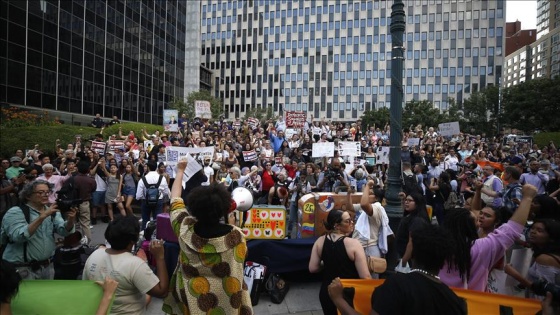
x=113 y=57
x=333 y=58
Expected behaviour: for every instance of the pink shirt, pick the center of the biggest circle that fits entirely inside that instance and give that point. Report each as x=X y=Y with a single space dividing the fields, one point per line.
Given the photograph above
x=57 y=181
x=485 y=253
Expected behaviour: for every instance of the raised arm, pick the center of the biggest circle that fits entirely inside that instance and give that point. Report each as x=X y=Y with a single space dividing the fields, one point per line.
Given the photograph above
x=177 y=188
x=364 y=202
x=520 y=215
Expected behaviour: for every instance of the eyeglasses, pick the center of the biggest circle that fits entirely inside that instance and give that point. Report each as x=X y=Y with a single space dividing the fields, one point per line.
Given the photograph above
x=42 y=192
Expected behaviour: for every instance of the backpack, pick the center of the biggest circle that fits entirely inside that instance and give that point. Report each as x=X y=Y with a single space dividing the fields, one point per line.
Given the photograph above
x=4 y=238
x=68 y=190
x=152 y=192
x=410 y=184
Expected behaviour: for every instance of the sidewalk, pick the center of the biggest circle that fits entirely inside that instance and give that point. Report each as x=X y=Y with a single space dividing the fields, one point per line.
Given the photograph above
x=302 y=299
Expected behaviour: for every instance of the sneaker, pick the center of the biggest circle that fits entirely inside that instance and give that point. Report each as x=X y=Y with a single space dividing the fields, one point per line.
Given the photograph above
x=93 y=221
x=91 y=226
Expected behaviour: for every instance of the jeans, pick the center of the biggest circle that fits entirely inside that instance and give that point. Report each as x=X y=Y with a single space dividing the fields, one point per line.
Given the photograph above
x=150 y=210
x=43 y=273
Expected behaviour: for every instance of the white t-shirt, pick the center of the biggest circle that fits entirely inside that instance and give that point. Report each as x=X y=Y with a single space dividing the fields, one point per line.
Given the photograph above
x=134 y=276
x=209 y=172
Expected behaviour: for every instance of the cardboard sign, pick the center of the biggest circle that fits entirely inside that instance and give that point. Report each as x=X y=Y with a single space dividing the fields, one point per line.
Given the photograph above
x=265 y=222
x=174 y=154
x=382 y=155
x=449 y=129
x=349 y=148
x=202 y=109
x=99 y=147
x=290 y=132
x=170 y=122
x=249 y=156
x=295 y=119
x=323 y=149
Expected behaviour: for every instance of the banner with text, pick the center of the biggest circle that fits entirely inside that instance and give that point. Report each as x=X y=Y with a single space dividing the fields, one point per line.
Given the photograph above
x=113 y=144
x=323 y=149
x=249 y=156
x=382 y=155
x=202 y=109
x=99 y=147
x=449 y=129
x=295 y=119
x=253 y=123
x=174 y=154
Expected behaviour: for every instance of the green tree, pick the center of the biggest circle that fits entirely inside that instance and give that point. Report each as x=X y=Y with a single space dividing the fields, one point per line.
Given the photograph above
x=378 y=117
x=481 y=111
x=532 y=105
x=453 y=113
x=187 y=106
x=420 y=113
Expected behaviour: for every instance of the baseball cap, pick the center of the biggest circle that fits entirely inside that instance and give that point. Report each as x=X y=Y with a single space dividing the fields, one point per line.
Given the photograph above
x=15 y=159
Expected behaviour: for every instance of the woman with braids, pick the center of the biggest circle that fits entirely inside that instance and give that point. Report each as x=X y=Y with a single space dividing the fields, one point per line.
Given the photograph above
x=342 y=256
x=209 y=274
x=473 y=257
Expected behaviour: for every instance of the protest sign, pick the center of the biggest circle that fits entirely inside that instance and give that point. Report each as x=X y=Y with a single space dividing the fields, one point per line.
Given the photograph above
x=148 y=145
x=253 y=123
x=295 y=119
x=202 y=109
x=449 y=129
x=249 y=156
x=382 y=155
x=174 y=154
x=170 y=122
x=114 y=144
x=323 y=149
x=290 y=132
x=349 y=148
x=412 y=142
x=99 y=147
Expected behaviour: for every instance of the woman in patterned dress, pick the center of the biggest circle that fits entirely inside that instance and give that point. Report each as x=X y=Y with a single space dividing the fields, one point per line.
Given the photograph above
x=208 y=278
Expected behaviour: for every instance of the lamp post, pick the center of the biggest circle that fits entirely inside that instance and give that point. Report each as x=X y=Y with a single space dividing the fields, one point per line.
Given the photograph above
x=394 y=183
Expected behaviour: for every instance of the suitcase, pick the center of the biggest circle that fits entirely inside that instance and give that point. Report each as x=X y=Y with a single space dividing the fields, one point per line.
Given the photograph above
x=266 y=222
x=164 y=230
x=315 y=207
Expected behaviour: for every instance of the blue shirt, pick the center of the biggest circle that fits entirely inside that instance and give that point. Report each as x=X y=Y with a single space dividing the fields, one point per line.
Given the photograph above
x=41 y=245
x=276 y=142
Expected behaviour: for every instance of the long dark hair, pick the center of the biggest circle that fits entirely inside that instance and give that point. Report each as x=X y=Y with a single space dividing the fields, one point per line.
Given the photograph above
x=552 y=227
x=462 y=228
x=420 y=209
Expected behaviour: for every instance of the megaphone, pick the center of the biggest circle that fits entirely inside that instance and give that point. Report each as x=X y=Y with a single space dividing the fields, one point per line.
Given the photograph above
x=242 y=199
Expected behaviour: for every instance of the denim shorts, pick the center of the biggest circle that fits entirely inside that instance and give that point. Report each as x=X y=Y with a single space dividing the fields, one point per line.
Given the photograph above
x=98 y=198
x=129 y=191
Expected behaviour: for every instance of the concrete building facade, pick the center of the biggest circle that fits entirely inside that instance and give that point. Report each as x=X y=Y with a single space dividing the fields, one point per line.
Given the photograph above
x=333 y=58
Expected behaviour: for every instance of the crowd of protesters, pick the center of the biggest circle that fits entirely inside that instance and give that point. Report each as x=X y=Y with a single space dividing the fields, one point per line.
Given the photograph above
x=483 y=175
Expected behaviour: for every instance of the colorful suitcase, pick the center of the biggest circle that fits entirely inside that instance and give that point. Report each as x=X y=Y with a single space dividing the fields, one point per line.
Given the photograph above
x=164 y=230
x=313 y=209
x=265 y=222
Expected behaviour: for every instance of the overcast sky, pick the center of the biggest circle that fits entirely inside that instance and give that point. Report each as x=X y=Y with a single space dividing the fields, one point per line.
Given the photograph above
x=524 y=11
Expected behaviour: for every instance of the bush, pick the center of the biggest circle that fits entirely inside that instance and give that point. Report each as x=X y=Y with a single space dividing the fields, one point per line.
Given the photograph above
x=544 y=138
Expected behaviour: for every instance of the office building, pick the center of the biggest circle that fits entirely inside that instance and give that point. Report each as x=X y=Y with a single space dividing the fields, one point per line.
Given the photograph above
x=118 y=57
x=333 y=58
x=517 y=37
x=548 y=16
x=541 y=59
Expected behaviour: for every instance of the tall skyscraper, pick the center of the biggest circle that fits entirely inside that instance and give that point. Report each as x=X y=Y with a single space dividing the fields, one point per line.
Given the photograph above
x=548 y=16
x=333 y=58
x=117 y=57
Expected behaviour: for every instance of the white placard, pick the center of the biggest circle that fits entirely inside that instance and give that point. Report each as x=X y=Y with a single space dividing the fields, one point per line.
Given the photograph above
x=99 y=147
x=174 y=154
x=192 y=167
x=323 y=149
x=382 y=155
x=202 y=109
x=290 y=132
x=148 y=145
x=349 y=148
x=449 y=129
x=412 y=142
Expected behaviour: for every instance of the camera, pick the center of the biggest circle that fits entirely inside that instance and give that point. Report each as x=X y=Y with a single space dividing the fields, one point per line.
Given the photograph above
x=540 y=287
x=65 y=205
x=332 y=175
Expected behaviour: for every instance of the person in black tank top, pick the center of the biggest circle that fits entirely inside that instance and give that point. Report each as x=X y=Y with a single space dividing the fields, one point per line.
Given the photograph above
x=342 y=256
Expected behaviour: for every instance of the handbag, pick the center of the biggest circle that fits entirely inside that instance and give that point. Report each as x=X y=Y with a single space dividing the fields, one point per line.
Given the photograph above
x=277 y=288
x=253 y=275
x=376 y=264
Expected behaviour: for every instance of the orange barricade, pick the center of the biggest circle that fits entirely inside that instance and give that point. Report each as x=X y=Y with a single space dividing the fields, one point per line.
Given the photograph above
x=479 y=303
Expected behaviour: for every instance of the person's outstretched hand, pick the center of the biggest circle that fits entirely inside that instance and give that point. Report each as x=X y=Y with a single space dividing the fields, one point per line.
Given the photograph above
x=181 y=165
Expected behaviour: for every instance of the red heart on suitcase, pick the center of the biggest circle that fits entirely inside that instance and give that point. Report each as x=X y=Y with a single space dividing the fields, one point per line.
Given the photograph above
x=279 y=232
x=257 y=232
